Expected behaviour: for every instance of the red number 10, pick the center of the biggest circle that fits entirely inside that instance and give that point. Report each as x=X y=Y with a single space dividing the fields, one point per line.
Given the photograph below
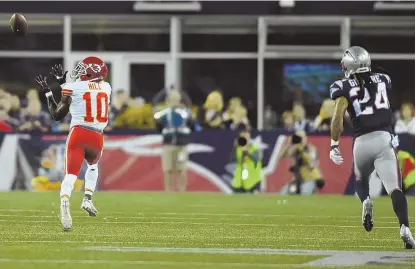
x=101 y=98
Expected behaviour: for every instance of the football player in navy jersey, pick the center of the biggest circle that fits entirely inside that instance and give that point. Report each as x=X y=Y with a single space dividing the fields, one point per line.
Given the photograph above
x=365 y=95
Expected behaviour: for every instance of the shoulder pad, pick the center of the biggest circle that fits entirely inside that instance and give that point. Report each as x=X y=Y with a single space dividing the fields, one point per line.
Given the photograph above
x=336 y=87
x=387 y=77
x=338 y=83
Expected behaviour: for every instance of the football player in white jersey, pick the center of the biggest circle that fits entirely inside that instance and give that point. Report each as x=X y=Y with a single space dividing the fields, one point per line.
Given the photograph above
x=87 y=99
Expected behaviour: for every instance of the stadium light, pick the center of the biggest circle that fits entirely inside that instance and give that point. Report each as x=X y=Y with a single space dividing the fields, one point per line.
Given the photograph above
x=287 y=3
x=395 y=5
x=171 y=6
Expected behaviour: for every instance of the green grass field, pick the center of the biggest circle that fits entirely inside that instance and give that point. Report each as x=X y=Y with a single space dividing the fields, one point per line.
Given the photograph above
x=204 y=231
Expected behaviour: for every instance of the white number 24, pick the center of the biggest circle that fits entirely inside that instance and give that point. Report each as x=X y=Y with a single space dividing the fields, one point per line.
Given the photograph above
x=381 y=100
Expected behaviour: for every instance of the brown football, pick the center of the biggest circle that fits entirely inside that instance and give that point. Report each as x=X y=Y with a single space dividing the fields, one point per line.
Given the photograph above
x=18 y=24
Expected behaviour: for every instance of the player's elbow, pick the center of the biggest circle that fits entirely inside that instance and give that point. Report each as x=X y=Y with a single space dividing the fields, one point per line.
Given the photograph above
x=57 y=116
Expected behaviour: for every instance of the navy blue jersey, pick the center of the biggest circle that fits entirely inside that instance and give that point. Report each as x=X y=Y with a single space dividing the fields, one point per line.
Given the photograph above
x=367 y=115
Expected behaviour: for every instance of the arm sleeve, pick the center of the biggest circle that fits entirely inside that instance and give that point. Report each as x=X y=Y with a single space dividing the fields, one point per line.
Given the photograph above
x=336 y=90
x=388 y=82
x=390 y=95
x=66 y=89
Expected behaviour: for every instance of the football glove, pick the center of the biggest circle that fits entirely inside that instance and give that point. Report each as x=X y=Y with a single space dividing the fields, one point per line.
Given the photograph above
x=395 y=141
x=43 y=85
x=335 y=155
x=59 y=74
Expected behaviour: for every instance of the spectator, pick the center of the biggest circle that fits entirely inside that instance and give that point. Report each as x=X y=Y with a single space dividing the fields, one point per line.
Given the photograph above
x=128 y=113
x=7 y=102
x=212 y=115
x=195 y=112
x=14 y=112
x=270 y=118
x=145 y=117
x=306 y=173
x=323 y=120
x=4 y=116
x=287 y=118
x=32 y=117
x=119 y=106
x=3 y=94
x=300 y=122
x=406 y=123
x=248 y=172
x=235 y=115
x=175 y=123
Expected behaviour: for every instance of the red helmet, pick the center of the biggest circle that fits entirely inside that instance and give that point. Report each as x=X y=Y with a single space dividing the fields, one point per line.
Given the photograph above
x=89 y=69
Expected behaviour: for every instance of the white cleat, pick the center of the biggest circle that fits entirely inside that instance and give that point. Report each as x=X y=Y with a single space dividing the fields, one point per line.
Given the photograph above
x=406 y=235
x=65 y=215
x=89 y=207
x=367 y=215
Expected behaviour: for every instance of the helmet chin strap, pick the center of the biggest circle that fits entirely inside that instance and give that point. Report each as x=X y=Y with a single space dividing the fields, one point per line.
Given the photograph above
x=347 y=74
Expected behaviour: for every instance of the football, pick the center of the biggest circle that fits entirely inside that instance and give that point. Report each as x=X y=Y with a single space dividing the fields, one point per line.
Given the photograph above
x=18 y=24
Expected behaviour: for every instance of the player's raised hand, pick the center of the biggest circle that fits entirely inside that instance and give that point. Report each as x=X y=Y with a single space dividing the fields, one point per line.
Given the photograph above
x=59 y=74
x=43 y=84
x=335 y=155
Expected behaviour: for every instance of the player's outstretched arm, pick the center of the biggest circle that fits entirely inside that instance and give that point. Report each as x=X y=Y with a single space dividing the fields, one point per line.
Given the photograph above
x=60 y=110
x=59 y=74
x=337 y=124
x=57 y=111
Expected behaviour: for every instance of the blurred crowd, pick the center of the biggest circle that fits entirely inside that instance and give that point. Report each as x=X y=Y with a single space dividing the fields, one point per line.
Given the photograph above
x=297 y=120
x=29 y=114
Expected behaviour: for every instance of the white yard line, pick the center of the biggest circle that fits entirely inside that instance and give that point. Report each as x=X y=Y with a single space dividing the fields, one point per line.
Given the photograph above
x=115 y=242
x=201 y=223
x=164 y=218
x=205 y=214
x=204 y=237
x=22 y=210
x=142 y=214
x=166 y=263
x=260 y=251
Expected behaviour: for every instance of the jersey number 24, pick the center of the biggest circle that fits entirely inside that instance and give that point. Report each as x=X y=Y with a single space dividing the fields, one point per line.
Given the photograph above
x=381 y=101
x=101 y=107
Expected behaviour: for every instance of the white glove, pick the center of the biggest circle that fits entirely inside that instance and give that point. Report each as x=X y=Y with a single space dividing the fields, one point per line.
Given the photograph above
x=395 y=141
x=335 y=155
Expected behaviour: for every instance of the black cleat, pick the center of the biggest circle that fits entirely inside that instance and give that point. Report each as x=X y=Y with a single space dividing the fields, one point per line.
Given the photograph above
x=368 y=223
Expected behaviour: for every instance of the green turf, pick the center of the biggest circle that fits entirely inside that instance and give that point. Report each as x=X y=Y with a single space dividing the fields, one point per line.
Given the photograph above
x=31 y=235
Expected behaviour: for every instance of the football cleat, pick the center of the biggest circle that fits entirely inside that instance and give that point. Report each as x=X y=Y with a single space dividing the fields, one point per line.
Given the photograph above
x=65 y=215
x=89 y=207
x=406 y=235
x=368 y=214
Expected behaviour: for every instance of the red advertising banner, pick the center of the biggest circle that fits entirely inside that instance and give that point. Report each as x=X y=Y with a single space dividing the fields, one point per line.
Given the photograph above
x=133 y=163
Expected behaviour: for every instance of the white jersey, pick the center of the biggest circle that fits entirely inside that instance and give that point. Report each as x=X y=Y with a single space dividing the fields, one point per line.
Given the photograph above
x=90 y=103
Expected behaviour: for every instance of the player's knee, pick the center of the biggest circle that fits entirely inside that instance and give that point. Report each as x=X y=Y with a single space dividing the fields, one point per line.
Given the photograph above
x=398 y=198
x=69 y=179
x=396 y=192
